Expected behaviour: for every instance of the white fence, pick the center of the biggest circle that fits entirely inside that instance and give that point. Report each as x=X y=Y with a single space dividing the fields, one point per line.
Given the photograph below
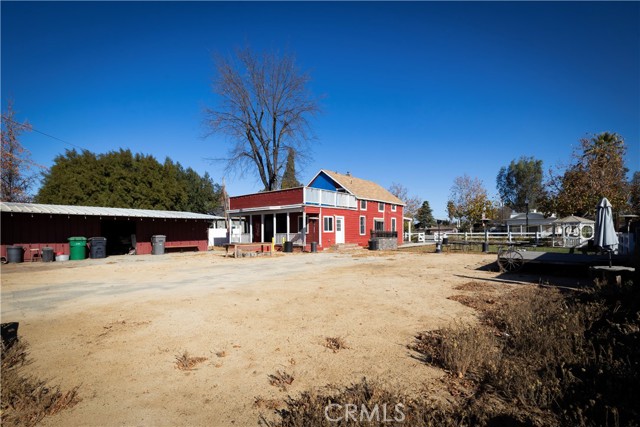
x=329 y=198
x=296 y=238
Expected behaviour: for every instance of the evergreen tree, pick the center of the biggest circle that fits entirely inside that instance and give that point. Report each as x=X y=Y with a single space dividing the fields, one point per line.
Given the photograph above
x=289 y=179
x=124 y=180
x=521 y=183
x=425 y=215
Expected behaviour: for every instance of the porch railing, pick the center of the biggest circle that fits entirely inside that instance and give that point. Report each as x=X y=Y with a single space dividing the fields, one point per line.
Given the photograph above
x=380 y=233
x=296 y=238
x=240 y=238
x=316 y=196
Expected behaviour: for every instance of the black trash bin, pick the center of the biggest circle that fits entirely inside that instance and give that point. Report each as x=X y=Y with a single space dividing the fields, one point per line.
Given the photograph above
x=314 y=247
x=374 y=244
x=98 y=247
x=288 y=247
x=15 y=254
x=157 y=243
x=47 y=254
x=445 y=240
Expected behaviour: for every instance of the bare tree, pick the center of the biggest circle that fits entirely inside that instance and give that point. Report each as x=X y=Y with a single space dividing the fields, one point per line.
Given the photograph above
x=469 y=201
x=412 y=203
x=265 y=108
x=16 y=160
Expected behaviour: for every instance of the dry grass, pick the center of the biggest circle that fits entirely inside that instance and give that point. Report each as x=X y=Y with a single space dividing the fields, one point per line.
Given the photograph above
x=282 y=380
x=184 y=362
x=27 y=400
x=335 y=344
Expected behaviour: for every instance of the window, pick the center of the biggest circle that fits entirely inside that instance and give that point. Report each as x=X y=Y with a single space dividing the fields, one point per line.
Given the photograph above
x=363 y=205
x=328 y=224
x=587 y=231
x=301 y=227
x=393 y=208
x=393 y=224
x=363 y=225
x=380 y=207
x=378 y=224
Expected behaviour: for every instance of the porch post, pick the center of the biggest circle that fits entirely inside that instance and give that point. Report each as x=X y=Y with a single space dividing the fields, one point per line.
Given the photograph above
x=250 y=229
x=262 y=227
x=288 y=227
x=274 y=228
x=304 y=228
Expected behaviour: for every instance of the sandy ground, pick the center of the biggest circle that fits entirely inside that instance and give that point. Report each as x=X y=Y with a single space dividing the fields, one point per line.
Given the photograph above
x=115 y=326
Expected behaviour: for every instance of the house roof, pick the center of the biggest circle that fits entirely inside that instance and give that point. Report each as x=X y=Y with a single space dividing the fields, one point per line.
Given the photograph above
x=363 y=189
x=572 y=219
x=99 y=211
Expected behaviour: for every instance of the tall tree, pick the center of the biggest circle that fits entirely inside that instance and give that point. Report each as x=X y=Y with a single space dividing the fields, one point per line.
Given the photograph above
x=265 y=108
x=289 y=179
x=412 y=203
x=634 y=196
x=469 y=201
x=125 y=180
x=424 y=216
x=597 y=171
x=520 y=183
x=16 y=167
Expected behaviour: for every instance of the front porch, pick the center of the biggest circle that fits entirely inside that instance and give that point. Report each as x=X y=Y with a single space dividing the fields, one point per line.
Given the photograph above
x=288 y=225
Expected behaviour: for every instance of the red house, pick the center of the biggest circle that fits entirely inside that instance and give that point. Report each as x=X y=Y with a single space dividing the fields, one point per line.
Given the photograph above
x=332 y=209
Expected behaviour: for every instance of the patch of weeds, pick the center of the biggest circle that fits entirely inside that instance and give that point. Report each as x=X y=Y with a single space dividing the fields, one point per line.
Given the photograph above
x=282 y=380
x=27 y=400
x=335 y=344
x=184 y=362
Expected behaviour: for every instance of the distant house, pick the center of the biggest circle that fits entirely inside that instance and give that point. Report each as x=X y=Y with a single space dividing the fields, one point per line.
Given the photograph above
x=332 y=209
x=536 y=221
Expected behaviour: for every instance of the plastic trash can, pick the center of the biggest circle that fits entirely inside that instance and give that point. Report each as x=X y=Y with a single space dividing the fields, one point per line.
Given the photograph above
x=98 y=247
x=314 y=247
x=15 y=254
x=288 y=247
x=47 y=254
x=157 y=243
x=77 y=248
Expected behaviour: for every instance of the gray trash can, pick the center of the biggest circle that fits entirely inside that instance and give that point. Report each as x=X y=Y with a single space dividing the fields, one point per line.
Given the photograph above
x=15 y=254
x=157 y=243
x=98 y=247
x=47 y=254
x=288 y=247
x=314 y=247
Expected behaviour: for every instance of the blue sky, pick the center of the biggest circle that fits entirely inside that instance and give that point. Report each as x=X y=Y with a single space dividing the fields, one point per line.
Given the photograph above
x=416 y=93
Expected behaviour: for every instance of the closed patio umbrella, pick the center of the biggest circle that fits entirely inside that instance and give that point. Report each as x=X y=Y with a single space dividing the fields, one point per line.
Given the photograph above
x=605 y=234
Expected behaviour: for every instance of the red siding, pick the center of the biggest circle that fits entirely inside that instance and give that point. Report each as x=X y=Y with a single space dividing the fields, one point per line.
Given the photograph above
x=44 y=230
x=291 y=196
x=352 y=222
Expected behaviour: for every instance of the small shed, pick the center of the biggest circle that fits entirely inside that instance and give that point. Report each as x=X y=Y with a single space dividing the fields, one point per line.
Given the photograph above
x=34 y=226
x=573 y=231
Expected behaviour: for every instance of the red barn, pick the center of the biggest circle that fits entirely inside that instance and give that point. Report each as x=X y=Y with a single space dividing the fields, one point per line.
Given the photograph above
x=34 y=226
x=332 y=209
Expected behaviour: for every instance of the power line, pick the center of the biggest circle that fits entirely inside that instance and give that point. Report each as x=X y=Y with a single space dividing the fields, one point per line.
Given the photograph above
x=31 y=128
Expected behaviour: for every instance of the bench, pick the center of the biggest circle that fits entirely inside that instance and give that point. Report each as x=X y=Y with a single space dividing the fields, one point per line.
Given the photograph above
x=181 y=248
x=238 y=248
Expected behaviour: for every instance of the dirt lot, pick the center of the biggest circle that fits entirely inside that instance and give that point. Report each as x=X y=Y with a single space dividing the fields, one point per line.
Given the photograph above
x=115 y=326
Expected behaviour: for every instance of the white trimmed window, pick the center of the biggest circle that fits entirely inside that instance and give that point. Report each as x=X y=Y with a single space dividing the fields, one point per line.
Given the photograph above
x=393 y=224
x=328 y=224
x=378 y=224
x=363 y=205
x=380 y=207
x=393 y=208
x=363 y=225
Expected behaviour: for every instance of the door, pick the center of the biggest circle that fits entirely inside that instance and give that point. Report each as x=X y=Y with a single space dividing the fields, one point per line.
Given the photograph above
x=339 y=229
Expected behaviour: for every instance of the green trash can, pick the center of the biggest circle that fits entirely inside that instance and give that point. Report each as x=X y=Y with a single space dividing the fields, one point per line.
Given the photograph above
x=77 y=248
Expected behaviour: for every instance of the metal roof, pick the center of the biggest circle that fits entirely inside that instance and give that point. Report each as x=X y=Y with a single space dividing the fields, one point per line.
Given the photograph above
x=35 y=208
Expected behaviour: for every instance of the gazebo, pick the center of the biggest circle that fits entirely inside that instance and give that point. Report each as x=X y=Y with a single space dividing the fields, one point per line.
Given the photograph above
x=573 y=231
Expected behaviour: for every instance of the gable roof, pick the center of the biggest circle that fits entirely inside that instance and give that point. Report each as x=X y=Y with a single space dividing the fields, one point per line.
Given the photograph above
x=34 y=208
x=572 y=219
x=361 y=188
